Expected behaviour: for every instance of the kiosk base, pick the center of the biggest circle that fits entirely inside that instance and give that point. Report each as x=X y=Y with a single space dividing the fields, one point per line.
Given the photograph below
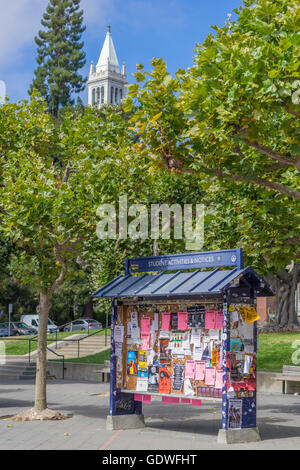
x=116 y=422
x=236 y=436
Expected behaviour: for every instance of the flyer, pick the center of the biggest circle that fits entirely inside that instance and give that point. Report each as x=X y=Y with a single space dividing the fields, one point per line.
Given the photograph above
x=200 y=370
x=166 y=321
x=145 y=326
x=235 y=414
x=189 y=369
x=132 y=362
x=164 y=385
x=119 y=333
x=178 y=376
x=142 y=384
x=153 y=378
x=165 y=353
x=182 y=320
x=174 y=321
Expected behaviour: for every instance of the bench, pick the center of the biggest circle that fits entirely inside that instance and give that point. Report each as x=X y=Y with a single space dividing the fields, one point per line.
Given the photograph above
x=105 y=371
x=289 y=374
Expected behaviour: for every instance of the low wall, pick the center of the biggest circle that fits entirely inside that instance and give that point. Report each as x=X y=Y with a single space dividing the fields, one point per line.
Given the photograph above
x=76 y=371
x=266 y=382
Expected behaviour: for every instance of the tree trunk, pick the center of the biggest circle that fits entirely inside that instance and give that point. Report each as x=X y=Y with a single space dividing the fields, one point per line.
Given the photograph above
x=284 y=284
x=89 y=309
x=41 y=359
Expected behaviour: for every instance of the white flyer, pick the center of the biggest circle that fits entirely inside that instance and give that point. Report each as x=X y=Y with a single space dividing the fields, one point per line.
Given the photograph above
x=142 y=384
x=119 y=333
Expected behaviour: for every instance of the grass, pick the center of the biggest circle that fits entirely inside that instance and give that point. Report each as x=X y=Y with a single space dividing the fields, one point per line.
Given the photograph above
x=275 y=350
x=20 y=346
x=98 y=358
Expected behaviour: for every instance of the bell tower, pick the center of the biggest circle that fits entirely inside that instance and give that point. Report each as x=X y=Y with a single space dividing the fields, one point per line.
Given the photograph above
x=107 y=83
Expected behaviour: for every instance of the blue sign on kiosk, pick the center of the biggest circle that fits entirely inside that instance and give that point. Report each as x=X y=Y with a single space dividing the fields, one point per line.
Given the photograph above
x=190 y=335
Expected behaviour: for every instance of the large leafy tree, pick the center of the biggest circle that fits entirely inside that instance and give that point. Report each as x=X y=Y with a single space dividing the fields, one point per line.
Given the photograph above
x=53 y=177
x=234 y=116
x=60 y=54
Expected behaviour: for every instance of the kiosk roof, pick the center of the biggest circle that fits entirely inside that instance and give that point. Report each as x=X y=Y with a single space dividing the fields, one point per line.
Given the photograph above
x=184 y=284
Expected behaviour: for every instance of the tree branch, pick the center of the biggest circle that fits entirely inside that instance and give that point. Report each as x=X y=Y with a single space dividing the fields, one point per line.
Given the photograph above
x=287 y=161
x=68 y=172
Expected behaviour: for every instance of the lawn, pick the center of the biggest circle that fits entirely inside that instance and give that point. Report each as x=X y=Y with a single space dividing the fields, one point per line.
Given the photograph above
x=275 y=350
x=20 y=346
x=98 y=358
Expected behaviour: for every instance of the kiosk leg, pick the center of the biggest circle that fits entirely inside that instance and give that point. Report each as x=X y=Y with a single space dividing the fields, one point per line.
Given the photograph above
x=124 y=411
x=246 y=407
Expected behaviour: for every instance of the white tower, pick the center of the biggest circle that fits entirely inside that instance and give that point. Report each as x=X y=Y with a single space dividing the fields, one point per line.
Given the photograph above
x=107 y=84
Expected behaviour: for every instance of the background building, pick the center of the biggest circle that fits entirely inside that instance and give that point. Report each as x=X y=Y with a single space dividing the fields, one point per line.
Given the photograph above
x=107 y=84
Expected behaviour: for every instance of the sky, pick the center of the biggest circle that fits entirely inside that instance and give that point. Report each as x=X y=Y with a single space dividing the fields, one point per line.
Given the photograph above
x=141 y=30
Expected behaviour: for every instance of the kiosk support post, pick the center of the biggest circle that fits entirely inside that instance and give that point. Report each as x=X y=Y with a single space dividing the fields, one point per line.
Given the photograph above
x=248 y=431
x=124 y=411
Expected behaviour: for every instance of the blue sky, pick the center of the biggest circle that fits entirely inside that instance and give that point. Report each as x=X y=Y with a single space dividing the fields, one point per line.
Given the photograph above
x=141 y=30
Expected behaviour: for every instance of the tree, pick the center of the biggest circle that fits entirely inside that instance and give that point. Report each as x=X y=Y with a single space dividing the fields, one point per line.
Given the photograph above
x=59 y=54
x=53 y=177
x=235 y=116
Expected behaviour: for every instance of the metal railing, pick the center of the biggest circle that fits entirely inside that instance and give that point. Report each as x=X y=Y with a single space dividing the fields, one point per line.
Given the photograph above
x=29 y=347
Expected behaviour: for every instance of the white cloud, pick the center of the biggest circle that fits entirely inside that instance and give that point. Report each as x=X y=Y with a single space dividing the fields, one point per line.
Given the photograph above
x=20 y=21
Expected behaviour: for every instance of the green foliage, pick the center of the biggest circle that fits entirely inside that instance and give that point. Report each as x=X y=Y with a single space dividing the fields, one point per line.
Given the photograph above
x=232 y=120
x=59 y=54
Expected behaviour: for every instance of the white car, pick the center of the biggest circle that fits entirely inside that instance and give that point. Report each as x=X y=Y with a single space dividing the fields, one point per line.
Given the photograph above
x=33 y=322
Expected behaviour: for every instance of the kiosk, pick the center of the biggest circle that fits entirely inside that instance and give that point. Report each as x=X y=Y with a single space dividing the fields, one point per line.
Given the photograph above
x=185 y=336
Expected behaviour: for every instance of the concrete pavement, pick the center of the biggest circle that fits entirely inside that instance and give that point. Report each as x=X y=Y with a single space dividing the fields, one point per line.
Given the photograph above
x=168 y=427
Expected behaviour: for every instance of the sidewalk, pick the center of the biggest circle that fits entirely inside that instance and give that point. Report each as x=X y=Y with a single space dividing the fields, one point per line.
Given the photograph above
x=167 y=426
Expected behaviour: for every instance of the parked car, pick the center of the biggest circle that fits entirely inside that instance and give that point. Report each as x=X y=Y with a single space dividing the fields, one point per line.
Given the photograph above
x=33 y=322
x=83 y=324
x=19 y=328
x=3 y=330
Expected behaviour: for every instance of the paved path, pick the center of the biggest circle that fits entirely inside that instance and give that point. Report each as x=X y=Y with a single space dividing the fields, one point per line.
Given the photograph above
x=168 y=427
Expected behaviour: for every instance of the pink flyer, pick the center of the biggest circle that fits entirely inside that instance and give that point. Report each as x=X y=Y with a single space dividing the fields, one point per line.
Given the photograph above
x=210 y=319
x=189 y=369
x=200 y=370
x=145 y=326
x=182 y=320
x=166 y=321
x=210 y=376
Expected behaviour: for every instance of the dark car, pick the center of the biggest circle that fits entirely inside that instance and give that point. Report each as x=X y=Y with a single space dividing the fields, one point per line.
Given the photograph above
x=3 y=329
x=20 y=328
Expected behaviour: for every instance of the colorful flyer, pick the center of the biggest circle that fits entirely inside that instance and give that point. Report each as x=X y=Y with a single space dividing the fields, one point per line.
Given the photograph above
x=178 y=376
x=142 y=364
x=164 y=385
x=189 y=369
x=235 y=344
x=166 y=321
x=132 y=363
x=165 y=353
x=182 y=320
